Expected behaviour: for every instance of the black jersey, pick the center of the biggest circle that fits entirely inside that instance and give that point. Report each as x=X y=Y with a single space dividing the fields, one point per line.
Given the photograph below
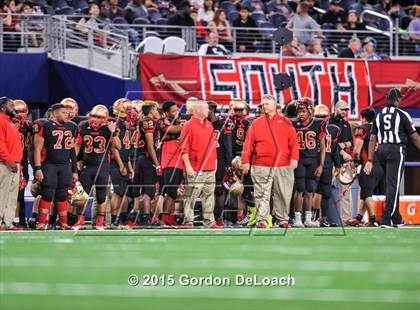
x=95 y=143
x=223 y=130
x=78 y=119
x=363 y=132
x=147 y=125
x=309 y=136
x=58 y=141
x=240 y=128
x=25 y=133
x=332 y=135
x=125 y=138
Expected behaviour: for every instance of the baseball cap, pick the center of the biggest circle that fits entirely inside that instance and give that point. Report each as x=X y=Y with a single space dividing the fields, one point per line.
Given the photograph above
x=342 y=105
x=336 y=2
x=394 y=94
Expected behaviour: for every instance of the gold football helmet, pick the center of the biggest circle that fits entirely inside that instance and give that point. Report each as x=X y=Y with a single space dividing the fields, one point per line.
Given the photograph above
x=21 y=109
x=98 y=116
x=321 y=111
x=72 y=107
x=118 y=108
x=348 y=173
x=36 y=188
x=76 y=195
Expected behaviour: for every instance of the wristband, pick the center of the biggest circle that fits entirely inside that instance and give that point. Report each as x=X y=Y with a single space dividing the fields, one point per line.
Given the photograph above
x=36 y=168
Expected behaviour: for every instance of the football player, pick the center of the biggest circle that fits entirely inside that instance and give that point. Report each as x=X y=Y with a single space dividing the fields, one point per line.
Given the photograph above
x=73 y=110
x=332 y=159
x=147 y=167
x=121 y=169
x=223 y=127
x=58 y=167
x=172 y=164
x=24 y=126
x=96 y=136
x=311 y=141
x=369 y=182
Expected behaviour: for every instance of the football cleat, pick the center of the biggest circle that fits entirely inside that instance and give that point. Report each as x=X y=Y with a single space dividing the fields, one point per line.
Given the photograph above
x=324 y=222
x=399 y=225
x=65 y=227
x=298 y=223
x=132 y=225
x=40 y=226
x=372 y=224
x=353 y=222
x=261 y=225
x=217 y=225
x=310 y=223
x=32 y=223
x=219 y=222
x=100 y=227
x=387 y=226
x=252 y=211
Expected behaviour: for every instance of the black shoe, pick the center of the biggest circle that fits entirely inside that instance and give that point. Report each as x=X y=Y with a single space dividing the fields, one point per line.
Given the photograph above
x=399 y=225
x=32 y=223
x=387 y=226
x=324 y=222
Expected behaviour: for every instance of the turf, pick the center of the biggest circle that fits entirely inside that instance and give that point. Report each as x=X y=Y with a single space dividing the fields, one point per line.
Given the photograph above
x=354 y=269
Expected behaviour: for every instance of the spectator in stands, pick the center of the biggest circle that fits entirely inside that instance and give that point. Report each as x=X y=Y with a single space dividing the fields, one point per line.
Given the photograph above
x=314 y=49
x=200 y=31
x=352 y=50
x=253 y=5
x=182 y=16
x=166 y=8
x=221 y=26
x=92 y=21
x=279 y=6
x=316 y=15
x=33 y=25
x=213 y=47
x=335 y=14
x=304 y=27
x=353 y=24
x=151 y=5
x=135 y=9
x=294 y=49
x=11 y=24
x=340 y=38
x=206 y=13
x=392 y=9
x=414 y=30
x=111 y=10
x=369 y=49
x=360 y=6
x=247 y=38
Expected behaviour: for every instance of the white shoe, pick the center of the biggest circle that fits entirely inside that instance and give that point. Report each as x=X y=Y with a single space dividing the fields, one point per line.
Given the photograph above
x=298 y=224
x=311 y=224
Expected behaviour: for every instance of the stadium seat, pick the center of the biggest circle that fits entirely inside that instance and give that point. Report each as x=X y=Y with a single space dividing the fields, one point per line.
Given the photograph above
x=277 y=19
x=258 y=17
x=119 y=21
x=150 y=45
x=227 y=6
x=122 y=3
x=154 y=16
x=141 y=21
x=266 y=32
x=41 y=3
x=79 y=4
x=58 y=4
x=174 y=45
x=162 y=21
x=66 y=11
x=232 y=16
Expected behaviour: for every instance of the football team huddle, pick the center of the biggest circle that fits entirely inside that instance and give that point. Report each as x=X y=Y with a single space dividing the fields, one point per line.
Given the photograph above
x=127 y=157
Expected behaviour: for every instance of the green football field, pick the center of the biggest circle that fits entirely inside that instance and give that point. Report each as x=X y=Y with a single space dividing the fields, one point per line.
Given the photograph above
x=332 y=269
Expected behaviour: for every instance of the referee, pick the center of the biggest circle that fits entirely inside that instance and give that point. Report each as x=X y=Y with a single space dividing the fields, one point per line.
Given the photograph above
x=391 y=130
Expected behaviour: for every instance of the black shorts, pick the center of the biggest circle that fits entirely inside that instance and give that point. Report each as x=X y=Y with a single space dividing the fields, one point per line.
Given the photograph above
x=172 y=178
x=368 y=183
x=98 y=176
x=305 y=175
x=119 y=182
x=325 y=183
x=56 y=182
x=144 y=177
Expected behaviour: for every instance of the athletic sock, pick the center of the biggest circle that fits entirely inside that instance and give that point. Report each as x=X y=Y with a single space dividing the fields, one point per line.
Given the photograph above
x=145 y=219
x=62 y=207
x=308 y=216
x=359 y=217
x=298 y=217
x=113 y=218
x=100 y=220
x=123 y=217
x=372 y=219
x=43 y=206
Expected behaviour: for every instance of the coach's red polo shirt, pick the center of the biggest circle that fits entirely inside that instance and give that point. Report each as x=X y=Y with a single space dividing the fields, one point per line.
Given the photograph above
x=10 y=142
x=199 y=141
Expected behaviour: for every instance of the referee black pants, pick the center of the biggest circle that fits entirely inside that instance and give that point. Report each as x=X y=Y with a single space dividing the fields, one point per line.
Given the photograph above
x=391 y=158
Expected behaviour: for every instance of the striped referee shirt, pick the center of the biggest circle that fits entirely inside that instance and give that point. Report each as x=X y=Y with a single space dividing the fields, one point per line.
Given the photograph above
x=392 y=125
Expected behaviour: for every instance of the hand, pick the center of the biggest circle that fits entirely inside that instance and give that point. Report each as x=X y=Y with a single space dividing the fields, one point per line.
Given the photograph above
x=245 y=168
x=12 y=167
x=190 y=171
x=158 y=170
x=342 y=145
x=130 y=173
x=22 y=183
x=319 y=170
x=74 y=177
x=123 y=170
x=293 y=164
x=112 y=126
x=39 y=176
x=368 y=168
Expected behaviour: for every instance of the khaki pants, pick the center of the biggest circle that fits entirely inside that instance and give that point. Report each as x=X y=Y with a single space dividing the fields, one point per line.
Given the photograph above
x=346 y=203
x=200 y=186
x=9 y=189
x=275 y=181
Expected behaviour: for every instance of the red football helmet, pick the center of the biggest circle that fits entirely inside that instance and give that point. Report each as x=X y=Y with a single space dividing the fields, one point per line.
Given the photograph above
x=72 y=107
x=305 y=103
x=21 y=110
x=98 y=116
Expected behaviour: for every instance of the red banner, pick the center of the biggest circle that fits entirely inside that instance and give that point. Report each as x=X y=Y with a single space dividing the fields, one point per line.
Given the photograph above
x=357 y=82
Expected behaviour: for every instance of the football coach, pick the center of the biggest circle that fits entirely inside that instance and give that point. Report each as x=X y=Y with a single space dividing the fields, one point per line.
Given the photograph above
x=271 y=142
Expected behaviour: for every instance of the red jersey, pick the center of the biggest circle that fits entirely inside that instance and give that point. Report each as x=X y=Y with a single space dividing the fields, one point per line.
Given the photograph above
x=199 y=142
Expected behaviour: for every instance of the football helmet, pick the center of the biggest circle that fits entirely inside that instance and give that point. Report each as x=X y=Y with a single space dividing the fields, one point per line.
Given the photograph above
x=305 y=103
x=118 y=108
x=76 y=195
x=21 y=110
x=348 y=173
x=98 y=116
x=72 y=107
x=36 y=188
x=232 y=183
x=321 y=111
